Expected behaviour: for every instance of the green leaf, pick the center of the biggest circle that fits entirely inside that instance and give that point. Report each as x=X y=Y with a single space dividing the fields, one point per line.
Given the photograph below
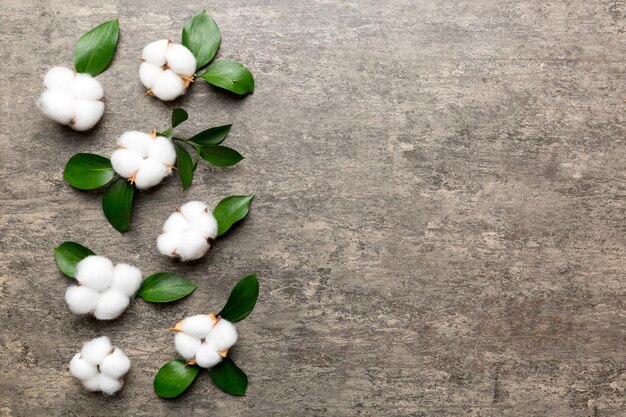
x=87 y=171
x=202 y=37
x=117 y=203
x=242 y=299
x=174 y=378
x=229 y=378
x=221 y=156
x=94 y=50
x=230 y=210
x=178 y=116
x=230 y=75
x=68 y=254
x=184 y=165
x=212 y=136
x=164 y=287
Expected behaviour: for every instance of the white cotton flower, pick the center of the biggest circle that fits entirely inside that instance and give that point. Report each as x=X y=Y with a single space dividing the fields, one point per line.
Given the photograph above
x=167 y=70
x=144 y=159
x=207 y=356
x=115 y=365
x=188 y=232
x=127 y=279
x=111 y=304
x=95 y=272
x=105 y=290
x=99 y=366
x=186 y=345
x=81 y=299
x=81 y=369
x=96 y=350
x=72 y=99
x=204 y=339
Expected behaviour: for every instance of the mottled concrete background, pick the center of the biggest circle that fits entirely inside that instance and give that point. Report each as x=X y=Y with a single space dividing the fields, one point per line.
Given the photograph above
x=439 y=227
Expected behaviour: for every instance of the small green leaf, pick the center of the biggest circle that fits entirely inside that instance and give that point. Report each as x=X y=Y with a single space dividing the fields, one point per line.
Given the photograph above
x=212 y=136
x=229 y=378
x=117 y=203
x=164 y=287
x=94 y=50
x=221 y=156
x=174 y=378
x=87 y=171
x=202 y=37
x=230 y=210
x=184 y=166
x=179 y=115
x=242 y=299
x=68 y=254
x=230 y=75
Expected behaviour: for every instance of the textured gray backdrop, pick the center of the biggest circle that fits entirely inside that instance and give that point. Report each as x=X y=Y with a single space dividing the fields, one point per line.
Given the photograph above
x=439 y=228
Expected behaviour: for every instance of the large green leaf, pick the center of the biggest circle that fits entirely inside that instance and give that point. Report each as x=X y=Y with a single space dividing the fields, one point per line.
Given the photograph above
x=229 y=378
x=230 y=75
x=117 y=203
x=202 y=37
x=242 y=299
x=88 y=171
x=174 y=378
x=221 y=156
x=230 y=210
x=211 y=136
x=94 y=50
x=68 y=254
x=179 y=115
x=164 y=287
x=184 y=165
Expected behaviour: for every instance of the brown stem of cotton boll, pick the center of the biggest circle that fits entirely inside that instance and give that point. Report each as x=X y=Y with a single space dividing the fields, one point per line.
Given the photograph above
x=153 y=134
x=149 y=93
x=187 y=80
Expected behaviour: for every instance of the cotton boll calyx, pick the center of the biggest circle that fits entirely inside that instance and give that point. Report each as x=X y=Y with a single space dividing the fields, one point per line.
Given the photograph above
x=72 y=99
x=99 y=366
x=188 y=233
x=167 y=70
x=111 y=304
x=202 y=340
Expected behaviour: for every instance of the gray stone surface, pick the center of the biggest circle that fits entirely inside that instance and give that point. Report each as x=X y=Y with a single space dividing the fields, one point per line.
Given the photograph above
x=439 y=222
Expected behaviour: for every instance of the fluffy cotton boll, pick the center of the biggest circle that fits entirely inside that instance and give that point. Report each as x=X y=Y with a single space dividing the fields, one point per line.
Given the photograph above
x=94 y=351
x=191 y=246
x=126 y=162
x=163 y=150
x=176 y=223
x=87 y=87
x=111 y=304
x=92 y=384
x=109 y=385
x=95 y=272
x=59 y=78
x=168 y=242
x=87 y=114
x=205 y=224
x=180 y=60
x=81 y=299
x=193 y=208
x=168 y=86
x=149 y=73
x=223 y=335
x=198 y=326
x=207 y=356
x=136 y=141
x=59 y=105
x=116 y=364
x=186 y=345
x=155 y=52
x=127 y=279
x=81 y=369
x=150 y=174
